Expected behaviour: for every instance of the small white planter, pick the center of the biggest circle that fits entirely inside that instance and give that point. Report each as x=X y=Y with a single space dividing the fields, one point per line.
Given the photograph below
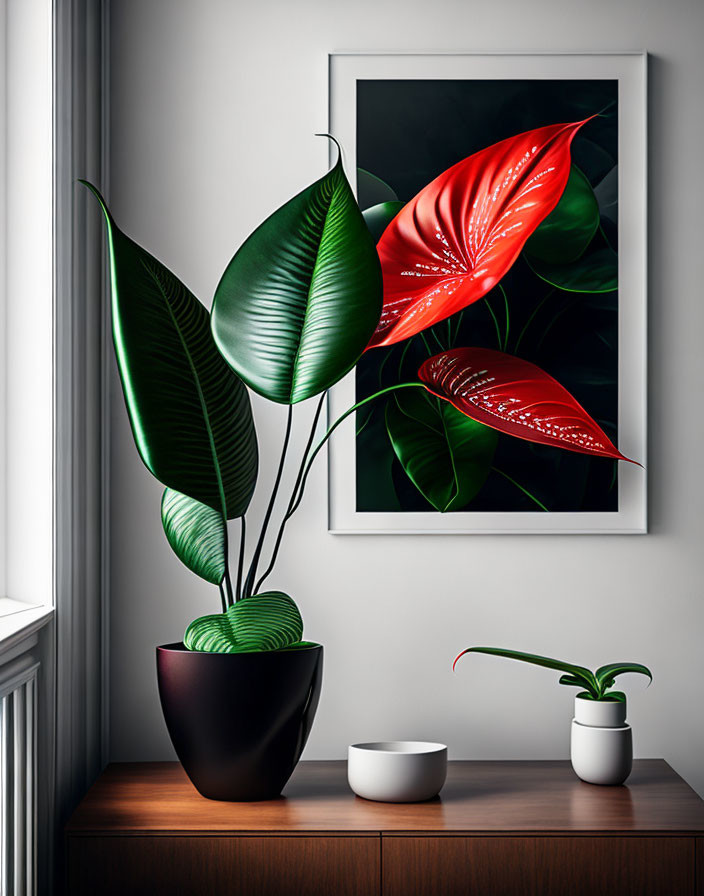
x=602 y=742
x=397 y=771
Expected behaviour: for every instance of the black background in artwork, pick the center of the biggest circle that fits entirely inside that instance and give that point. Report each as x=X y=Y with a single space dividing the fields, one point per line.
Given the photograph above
x=410 y=131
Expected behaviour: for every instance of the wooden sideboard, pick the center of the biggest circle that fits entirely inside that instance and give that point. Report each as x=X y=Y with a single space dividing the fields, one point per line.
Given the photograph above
x=498 y=828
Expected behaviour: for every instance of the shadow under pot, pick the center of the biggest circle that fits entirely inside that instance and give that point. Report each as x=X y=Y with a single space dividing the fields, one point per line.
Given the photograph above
x=239 y=721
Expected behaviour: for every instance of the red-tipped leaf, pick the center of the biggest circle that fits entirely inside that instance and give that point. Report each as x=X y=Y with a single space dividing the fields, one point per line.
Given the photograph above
x=515 y=397
x=452 y=244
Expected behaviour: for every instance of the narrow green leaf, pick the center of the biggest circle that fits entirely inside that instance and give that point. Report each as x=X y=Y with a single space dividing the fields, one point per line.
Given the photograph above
x=567 y=231
x=196 y=533
x=537 y=660
x=606 y=675
x=445 y=454
x=575 y=680
x=618 y=696
x=190 y=414
x=301 y=298
x=268 y=621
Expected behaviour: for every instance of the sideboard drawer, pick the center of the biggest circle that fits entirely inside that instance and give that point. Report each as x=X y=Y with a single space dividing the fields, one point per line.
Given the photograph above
x=538 y=866
x=226 y=866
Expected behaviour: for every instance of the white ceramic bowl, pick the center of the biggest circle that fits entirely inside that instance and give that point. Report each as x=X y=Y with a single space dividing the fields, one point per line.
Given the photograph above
x=397 y=771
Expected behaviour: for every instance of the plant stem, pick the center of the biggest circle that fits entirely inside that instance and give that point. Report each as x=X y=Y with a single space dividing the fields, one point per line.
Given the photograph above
x=426 y=343
x=557 y=315
x=332 y=429
x=240 y=562
x=247 y=590
x=437 y=339
x=457 y=328
x=503 y=293
x=223 y=597
x=524 y=490
x=280 y=534
x=530 y=319
x=228 y=586
x=496 y=323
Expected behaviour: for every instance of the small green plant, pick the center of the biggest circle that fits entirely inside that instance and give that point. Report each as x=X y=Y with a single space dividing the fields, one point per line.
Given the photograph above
x=595 y=684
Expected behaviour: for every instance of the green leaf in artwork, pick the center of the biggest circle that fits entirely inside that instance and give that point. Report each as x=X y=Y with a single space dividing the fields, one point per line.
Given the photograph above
x=567 y=231
x=301 y=298
x=595 y=272
x=268 y=621
x=190 y=414
x=196 y=533
x=372 y=190
x=445 y=454
x=378 y=217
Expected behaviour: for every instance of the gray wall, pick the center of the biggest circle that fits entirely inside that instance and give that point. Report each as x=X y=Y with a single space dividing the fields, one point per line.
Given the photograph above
x=214 y=104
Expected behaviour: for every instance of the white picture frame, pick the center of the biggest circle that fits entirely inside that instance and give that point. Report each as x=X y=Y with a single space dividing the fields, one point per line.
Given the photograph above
x=630 y=70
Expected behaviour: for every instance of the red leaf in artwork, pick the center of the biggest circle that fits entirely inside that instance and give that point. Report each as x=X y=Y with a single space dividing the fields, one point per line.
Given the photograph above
x=515 y=397
x=452 y=244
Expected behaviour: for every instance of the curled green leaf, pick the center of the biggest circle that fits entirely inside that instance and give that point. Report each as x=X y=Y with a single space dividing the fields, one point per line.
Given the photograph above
x=268 y=621
x=196 y=534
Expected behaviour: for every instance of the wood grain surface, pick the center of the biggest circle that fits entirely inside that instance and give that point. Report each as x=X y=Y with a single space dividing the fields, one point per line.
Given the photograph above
x=224 y=866
x=538 y=866
x=479 y=797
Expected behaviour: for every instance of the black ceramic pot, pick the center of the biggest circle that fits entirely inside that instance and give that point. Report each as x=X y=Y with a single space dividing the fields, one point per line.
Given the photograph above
x=239 y=721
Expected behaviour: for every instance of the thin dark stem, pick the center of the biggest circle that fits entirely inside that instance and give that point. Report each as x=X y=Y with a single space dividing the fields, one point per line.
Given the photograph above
x=240 y=562
x=403 y=355
x=531 y=318
x=223 y=597
x=228 y=587
x=383 y=364
x=299 y=477
x=332 y=429
x=437 y=339
x=496 y=323
x=426 y=343
x=247 y=590
x=519 y=486
x=457 y=328
x=503 y=293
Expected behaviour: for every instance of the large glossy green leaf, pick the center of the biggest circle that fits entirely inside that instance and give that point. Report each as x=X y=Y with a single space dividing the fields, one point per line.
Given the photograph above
x=445 y=454
x=580 y=672
x=268 y=621
x=596 y=271
x=196 y=533
x=567 y=231
x=190 y=414
x=299 y=301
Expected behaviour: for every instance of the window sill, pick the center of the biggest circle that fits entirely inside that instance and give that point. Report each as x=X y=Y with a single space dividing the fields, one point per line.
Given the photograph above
x=19 y=625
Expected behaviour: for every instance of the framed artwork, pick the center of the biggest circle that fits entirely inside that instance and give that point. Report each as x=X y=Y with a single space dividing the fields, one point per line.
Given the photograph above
x=507 y=195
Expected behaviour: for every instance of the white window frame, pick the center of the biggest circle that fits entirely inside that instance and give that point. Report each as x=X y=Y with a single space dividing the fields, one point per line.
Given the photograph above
x=26 y=319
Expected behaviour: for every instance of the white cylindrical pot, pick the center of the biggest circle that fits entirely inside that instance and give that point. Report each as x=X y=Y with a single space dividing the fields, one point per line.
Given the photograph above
x=600 y=713
x=601 y=754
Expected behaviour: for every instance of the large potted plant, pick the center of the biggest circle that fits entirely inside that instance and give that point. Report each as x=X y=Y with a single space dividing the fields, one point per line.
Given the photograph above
x=297 y=306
